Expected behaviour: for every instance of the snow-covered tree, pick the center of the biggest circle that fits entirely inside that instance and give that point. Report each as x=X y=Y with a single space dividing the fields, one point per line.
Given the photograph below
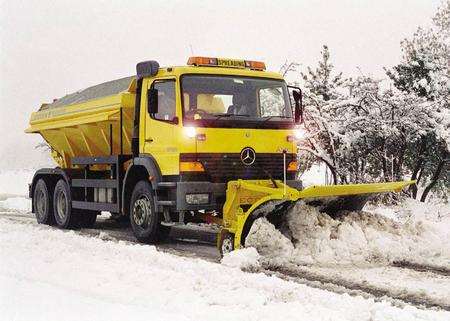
x=320 y=90
x=424 y=71
x=364 y=132
x=364 y=135
x=322 y=81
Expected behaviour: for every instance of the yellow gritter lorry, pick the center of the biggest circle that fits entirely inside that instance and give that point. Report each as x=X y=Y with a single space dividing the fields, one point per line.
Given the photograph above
x=214 y=141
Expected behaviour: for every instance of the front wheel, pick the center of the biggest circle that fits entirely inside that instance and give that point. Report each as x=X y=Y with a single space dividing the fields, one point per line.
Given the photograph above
x=144 y=219
x=225 y=242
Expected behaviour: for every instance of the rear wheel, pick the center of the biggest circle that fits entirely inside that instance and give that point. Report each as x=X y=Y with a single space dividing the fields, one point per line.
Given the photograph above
x=43 y=203
x=65 y=217
x=144 y=219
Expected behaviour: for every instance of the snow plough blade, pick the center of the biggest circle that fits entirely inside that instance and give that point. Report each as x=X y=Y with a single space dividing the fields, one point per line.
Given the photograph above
x=247 y=200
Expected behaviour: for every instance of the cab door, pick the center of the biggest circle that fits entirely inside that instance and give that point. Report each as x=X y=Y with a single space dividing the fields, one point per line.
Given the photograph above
x=160 y=127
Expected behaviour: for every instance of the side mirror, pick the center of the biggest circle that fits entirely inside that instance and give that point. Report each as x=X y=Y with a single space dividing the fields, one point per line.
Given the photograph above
x=152 y=101
x=298 y=99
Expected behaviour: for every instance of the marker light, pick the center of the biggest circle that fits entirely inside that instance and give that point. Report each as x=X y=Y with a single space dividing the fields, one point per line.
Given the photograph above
x=201 y=137
x=292 y=167
x=202 y=61
x=190 y=132
x=255 y=65
x=191 y=167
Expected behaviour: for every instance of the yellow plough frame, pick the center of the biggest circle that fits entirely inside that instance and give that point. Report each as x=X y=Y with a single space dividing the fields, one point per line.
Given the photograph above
x=243 y=197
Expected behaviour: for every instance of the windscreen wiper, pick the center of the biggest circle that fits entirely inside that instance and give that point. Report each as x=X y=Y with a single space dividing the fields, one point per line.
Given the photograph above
x=267 y=118
x=219 y=116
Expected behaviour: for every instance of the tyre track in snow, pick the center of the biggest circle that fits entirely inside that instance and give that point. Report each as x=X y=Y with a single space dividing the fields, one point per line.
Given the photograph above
x=110 y=230
x=422 y=267
x=342 y=286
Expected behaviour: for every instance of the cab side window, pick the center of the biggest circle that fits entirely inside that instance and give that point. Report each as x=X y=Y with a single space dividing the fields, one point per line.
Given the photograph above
x=166 y=100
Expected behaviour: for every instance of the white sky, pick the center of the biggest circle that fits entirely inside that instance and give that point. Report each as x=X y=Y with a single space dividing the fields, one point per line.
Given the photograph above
x=50 y=48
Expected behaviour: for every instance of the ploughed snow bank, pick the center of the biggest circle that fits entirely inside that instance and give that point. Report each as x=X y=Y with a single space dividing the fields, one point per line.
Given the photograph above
x=49 y=274
x=15 y=182
x=311 y=237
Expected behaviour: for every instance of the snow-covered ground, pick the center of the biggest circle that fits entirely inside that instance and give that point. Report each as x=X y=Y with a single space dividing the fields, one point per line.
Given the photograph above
x=15 y=182
x=50 y=274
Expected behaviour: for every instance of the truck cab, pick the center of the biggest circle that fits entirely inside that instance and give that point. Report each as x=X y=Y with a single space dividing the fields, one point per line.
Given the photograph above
x=213 y=121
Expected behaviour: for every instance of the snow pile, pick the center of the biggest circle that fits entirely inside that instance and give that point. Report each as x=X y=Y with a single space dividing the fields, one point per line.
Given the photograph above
x=244 y=259
x=354 y=238
x=438 y=213
x=275 y=249
x=19 y=204
x=49 y=274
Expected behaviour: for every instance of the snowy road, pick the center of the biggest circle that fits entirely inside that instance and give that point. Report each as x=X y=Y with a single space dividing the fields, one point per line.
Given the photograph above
x=110 y=230
x=398 y=287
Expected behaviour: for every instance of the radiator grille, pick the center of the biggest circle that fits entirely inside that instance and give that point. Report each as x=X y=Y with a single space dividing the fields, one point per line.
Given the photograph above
x=225 y=167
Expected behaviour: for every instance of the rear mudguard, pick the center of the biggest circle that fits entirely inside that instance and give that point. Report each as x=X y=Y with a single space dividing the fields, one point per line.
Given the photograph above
x=246 y=198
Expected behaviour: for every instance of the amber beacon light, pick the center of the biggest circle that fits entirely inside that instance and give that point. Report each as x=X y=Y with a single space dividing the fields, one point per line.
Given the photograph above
x=225 y=62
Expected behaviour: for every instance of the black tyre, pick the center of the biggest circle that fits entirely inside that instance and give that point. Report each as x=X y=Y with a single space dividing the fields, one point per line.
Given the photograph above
x=87 y=219
x=65 y=217
x=144 y=219
x=43 y=203
x=225 y=242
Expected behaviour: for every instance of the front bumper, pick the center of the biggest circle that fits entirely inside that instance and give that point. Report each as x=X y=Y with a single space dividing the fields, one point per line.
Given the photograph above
x=215 y=191
x=216 y=194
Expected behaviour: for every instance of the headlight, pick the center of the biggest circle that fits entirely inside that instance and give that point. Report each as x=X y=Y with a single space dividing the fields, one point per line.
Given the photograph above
x=190 y=132
x=299 y=133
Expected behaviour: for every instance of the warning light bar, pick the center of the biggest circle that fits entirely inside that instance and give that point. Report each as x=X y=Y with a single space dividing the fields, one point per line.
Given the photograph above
x=228 y=63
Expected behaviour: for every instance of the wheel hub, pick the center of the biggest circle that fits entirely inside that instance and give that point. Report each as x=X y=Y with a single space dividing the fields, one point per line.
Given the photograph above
x=142 y=211
x=227 y=245
x=40 y=203
x=61 y=204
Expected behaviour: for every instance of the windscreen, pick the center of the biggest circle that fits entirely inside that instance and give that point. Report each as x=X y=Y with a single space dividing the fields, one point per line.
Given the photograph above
x=235 y=99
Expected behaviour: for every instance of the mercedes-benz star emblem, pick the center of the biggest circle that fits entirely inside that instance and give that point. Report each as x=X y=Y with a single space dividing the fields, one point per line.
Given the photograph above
x=248 y=156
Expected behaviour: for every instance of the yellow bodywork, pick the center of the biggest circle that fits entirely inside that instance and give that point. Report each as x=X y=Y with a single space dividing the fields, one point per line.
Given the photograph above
x=256 y=193
x=84 y=129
